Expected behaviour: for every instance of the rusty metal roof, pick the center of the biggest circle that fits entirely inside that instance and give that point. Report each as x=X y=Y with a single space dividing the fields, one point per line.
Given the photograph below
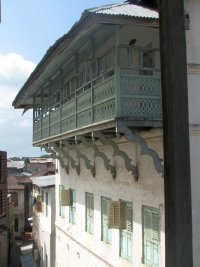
x=125 y=9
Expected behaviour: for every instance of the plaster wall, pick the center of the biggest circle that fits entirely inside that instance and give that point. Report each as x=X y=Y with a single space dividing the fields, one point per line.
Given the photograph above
x=193 y=60
x=47 y=227
x=76 y=247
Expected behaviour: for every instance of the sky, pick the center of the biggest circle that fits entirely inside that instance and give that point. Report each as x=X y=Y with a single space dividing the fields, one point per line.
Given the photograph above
x=27 y=29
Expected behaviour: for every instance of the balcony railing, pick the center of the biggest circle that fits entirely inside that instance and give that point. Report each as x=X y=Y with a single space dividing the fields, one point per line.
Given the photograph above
x=134 y=97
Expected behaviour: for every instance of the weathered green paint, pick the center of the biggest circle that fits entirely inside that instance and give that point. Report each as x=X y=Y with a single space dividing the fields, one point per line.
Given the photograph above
x=140 y=100
x=151 y=236
x=106 y=234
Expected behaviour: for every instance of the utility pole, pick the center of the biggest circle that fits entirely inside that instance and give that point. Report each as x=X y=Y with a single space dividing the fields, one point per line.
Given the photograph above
x=178 y=207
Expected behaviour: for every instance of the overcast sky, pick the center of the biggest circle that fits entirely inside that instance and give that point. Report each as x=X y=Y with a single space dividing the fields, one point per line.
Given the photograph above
x=28 y=28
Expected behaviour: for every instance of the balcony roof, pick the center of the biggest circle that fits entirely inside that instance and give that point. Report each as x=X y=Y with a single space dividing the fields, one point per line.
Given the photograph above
x=110 y=14
x=125 y=9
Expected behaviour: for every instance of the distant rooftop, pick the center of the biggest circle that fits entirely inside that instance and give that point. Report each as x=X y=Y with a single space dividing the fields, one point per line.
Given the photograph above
x=19 y=164
x=16 y=182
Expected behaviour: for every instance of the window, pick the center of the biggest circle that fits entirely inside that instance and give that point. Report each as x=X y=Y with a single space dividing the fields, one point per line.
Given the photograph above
x=61 y=208
x=151 y=237
x=147 y=60
x=89 y=209
x=72 y=208
x=105 y=231
x=126 y=234
x=46 y=204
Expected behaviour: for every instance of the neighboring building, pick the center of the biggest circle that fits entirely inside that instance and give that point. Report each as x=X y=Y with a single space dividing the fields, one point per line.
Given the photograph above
x=15 y=167
x=96 y=98
x=35 y=165
x=19 y=187
x=44 y=218
x=4 y=229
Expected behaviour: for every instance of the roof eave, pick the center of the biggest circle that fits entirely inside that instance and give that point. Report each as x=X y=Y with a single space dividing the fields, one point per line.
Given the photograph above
x=65 y=41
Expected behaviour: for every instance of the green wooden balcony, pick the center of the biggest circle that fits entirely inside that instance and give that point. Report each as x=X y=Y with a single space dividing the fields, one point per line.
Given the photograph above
x=131 y=98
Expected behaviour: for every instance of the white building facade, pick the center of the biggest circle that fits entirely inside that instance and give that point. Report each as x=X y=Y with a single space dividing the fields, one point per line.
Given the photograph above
x=82 y=234
x=98 y=109
x=44 y=219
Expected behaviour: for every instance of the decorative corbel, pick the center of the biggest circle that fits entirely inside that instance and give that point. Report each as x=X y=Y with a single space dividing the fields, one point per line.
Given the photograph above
x=88 y=164
x=72 y=161
x=118 y=152
x=57 y=156
x=123 y=128
x=100 y=154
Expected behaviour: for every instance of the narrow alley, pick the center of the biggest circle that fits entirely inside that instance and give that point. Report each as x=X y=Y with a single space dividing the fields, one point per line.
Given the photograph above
x=21 y=254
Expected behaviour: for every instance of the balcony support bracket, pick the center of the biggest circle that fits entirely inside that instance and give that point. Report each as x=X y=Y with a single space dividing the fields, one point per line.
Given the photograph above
x=88 y=164
x=118 y=152
x=65 y=154
x=133 y=137
x=91 y=144
x=56 y=155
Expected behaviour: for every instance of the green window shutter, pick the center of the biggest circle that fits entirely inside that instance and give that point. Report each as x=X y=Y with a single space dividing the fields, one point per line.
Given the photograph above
x=126 y=234
x=72 y=209
x=105 y=231
x=89 y=212
x=129 y=217
x=61 y=208
x=151 y=236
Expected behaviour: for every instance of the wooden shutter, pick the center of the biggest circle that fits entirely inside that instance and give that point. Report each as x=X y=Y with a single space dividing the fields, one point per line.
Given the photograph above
x=3 y=203
x=3 y=167
x=61 y=187
x=39 y=206
x=72 y=210
x=105 y=231
x=129 y=217
x=116 y=215
x=66 y=197
x=151 y=236
x=89 y=212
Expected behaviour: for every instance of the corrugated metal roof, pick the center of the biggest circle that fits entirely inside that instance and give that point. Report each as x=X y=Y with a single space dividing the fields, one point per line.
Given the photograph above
x=17 y=181
x=19 y=164
x=125 y=10
x=44 y=181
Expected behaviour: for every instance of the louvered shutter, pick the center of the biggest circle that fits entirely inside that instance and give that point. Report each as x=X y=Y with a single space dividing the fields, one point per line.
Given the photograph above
x=89 y=212
x=106 y=232
x=3 y=203
x=126 y=233
x=72 y=210
x=3 y=167
x=151 y=230
x=61 y=208
x=116 y=215
x=129 y=217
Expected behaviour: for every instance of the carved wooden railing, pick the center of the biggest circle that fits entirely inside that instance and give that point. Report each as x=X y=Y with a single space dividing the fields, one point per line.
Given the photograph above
x=137 y=98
